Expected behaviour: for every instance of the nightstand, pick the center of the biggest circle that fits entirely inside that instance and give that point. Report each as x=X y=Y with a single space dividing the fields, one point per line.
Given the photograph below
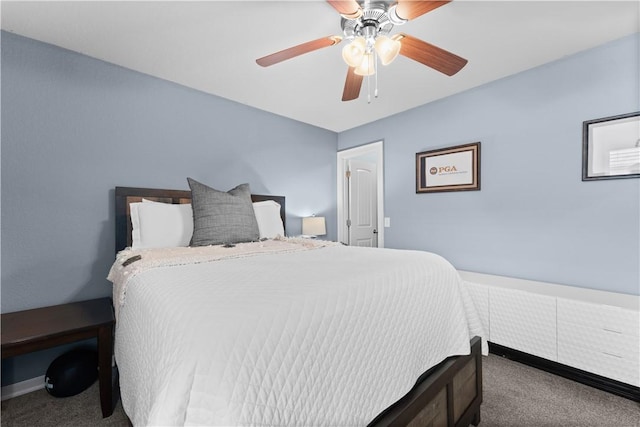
x=40 y=328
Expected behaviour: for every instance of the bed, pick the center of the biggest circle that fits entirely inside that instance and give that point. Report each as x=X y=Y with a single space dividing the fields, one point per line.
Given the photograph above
x=283 y=332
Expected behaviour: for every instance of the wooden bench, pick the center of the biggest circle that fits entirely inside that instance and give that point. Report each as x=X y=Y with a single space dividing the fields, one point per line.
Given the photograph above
x=41 y=328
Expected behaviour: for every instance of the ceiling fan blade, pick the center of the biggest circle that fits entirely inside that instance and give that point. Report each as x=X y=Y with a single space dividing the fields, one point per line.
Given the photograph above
x=411 y=9
x=298 y=50
x=352 y=85
x=350 y=9
x=430 y=55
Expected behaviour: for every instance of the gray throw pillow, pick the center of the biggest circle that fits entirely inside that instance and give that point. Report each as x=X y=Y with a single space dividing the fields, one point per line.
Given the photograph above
x=220 y=217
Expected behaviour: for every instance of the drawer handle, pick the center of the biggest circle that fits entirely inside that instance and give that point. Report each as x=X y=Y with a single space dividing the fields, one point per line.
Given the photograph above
x=613 y=355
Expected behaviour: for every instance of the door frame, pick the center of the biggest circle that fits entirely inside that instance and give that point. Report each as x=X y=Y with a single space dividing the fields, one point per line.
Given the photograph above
x=377 y=150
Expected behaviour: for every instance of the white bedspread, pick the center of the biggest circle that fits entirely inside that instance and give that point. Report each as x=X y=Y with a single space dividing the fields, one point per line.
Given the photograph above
x=326 y=336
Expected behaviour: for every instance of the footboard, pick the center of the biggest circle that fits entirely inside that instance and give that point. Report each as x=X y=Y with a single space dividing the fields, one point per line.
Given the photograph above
x=449 y=394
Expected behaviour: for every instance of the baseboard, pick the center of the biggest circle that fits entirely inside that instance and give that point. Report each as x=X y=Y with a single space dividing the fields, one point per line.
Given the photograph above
x=23 y=387
x=602 y=383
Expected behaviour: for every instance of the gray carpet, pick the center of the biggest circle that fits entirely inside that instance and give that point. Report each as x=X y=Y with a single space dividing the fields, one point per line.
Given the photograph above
x=518 y=395
x=514 y=395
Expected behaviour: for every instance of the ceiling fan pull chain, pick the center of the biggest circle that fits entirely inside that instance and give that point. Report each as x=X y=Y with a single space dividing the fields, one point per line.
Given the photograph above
x=375 y=68
x=369 y=89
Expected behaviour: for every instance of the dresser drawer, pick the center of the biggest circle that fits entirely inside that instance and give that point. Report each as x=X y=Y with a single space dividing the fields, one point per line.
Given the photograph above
x=599 y=316
x=626 y=370
x=600 y=340
x=523 y=321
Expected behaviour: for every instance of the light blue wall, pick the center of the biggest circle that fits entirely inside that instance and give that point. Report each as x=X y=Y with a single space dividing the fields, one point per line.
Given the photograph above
x=533 y=218
x=74 y=127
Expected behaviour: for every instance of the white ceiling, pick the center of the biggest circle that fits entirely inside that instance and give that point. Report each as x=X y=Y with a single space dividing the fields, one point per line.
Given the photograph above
x=212 y=46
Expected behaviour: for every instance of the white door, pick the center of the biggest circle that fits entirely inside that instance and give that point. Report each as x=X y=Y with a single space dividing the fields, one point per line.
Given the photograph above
x=362 y=210
x=372 y=153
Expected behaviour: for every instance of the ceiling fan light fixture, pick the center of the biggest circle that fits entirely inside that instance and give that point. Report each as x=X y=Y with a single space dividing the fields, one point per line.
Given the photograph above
x=367 y=67
x=354 y=52
x=387 y=49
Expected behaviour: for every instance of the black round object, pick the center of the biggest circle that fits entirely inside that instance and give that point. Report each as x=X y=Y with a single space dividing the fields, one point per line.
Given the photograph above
x=72 y=373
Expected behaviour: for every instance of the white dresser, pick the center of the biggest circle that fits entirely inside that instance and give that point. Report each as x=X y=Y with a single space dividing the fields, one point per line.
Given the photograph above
x=595 y=331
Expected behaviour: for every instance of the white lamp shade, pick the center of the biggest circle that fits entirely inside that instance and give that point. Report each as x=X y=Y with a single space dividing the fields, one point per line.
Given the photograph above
x=354 y=52
x=367 y=67
x=314 y=226
x=387 y=49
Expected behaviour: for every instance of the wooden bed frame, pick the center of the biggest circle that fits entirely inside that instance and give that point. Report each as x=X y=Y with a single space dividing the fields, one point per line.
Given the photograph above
x=449 y=394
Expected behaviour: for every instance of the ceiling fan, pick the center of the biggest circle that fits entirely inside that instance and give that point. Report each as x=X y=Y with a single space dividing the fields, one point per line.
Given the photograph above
x=366 y=24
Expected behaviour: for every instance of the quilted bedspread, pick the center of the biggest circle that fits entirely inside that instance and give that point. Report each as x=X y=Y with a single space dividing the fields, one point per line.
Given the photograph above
x=322 y=336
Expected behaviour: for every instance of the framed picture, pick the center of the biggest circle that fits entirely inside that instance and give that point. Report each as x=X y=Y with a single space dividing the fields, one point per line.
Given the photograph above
x=611 y=147
x=448 y=169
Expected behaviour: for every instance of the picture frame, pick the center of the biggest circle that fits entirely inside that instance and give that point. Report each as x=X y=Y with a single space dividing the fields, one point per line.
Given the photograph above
x=611 y=147
x=449 y=169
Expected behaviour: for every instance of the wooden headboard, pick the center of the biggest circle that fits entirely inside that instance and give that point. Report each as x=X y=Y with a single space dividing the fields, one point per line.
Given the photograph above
x=127 y=195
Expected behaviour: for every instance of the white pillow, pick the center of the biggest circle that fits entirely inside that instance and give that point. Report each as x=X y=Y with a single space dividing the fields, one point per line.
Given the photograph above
x=160 y=225
x=269 y=220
